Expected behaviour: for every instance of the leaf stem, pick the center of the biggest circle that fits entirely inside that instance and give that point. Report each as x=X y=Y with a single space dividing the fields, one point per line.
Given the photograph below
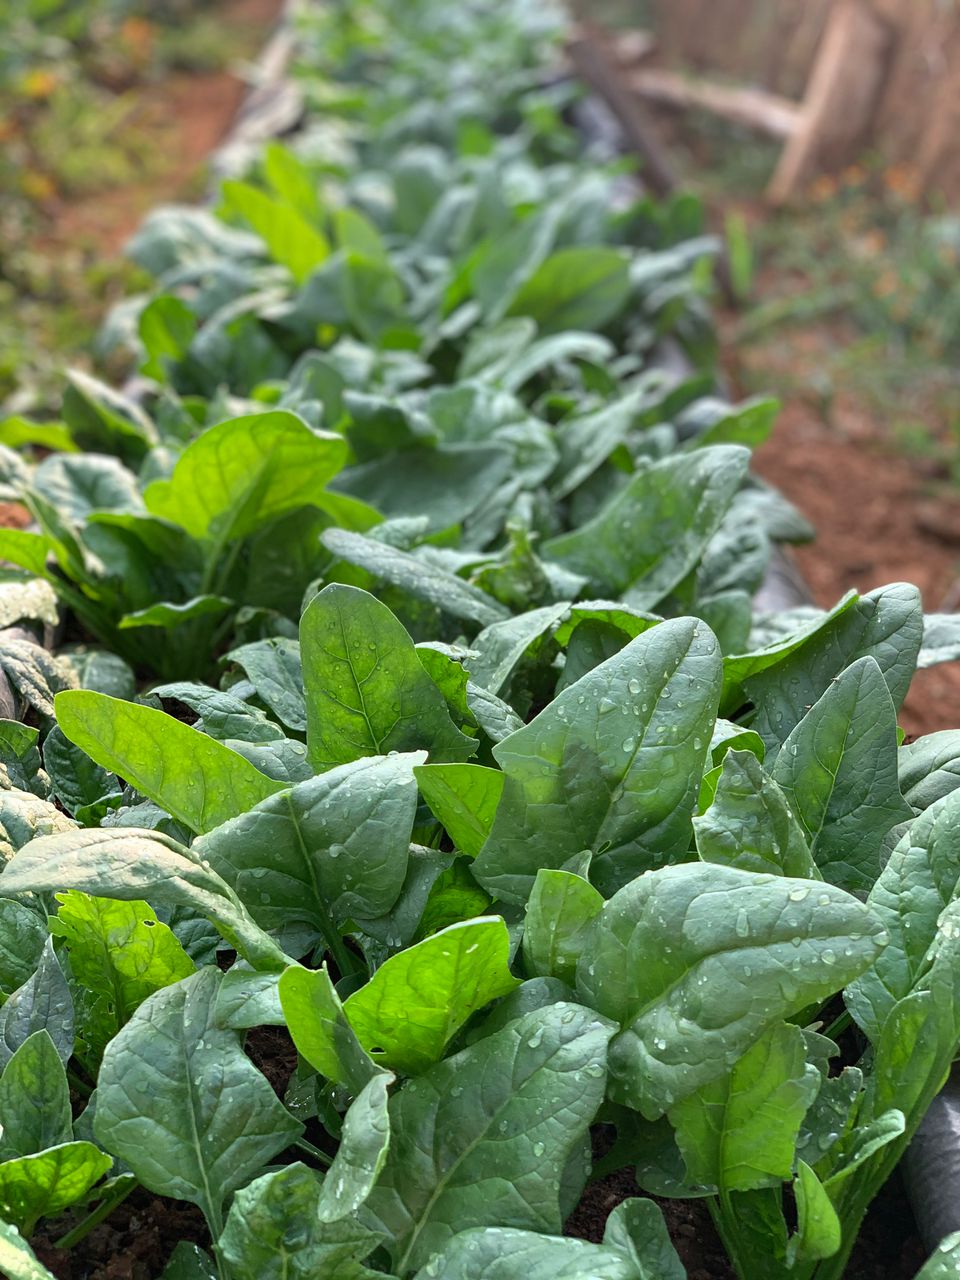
x=116 y=1197
x=311 y=1150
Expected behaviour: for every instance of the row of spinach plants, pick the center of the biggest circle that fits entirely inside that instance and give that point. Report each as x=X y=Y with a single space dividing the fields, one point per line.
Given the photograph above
x=414 y=702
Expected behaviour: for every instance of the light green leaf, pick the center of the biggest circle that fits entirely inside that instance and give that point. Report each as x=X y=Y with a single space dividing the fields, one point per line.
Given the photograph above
x=44 y=1184
x=697 y=961
x=559 y=912
x=613 y=765
x=34 y=1099
x=738 y=1132
x=367 y=692
x=838 y=771
x=464 y=798
x=582 y=287
x=198 y=780
x=508 y=1112
x=238 y=476
x=291 y=240
x=319 y=1028
x=416 y=1000
x=167 y=615
x=17 y=1259
x=364 y=1140
x=180 y=1102
x=943 y=1264
x=819 y=1233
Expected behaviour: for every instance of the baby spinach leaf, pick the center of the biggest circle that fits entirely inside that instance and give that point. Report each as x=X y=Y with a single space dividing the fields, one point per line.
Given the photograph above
x=367 y=692
x=241 y=474
x=697 y=961
x=222 y=715
x=44 y=1184
x=750 y=823
x=273 y=668
x=320 y=1030
x=507 y=1113
x=654 y=530
x=42 y=1003
x=819 y=1233
x=739 y=1131
x=274 y=1232
x=886 y=624
x=942 y=1265
x=25 y=816
x=464 y=798
x=291 y=240
x=130 y=865
x=22 y=938
x=501 y=645
x=198 y=780
x=838 y=771
x=418 y=578
x=919 y=881
x=611 y=765
x=929 y=768
x=559 y=912
x=582 y=287
x=34 y=1099
x=330 y=848
x=180 y=1102
x=364 y=1140
x=416 y=1000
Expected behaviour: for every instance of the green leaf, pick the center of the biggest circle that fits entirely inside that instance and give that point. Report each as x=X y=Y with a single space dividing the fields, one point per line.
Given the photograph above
x=34 y=1099
x=919 y=881
x=864 y=1143
x=508 y=1112
x=838 y=771
x=166 y=327
x=943 y=1263
x=697 y=961
x=367 y=692
x=364 y=1140
x=42 y=1003
x=238 y=476
x=464 y=798
x=119 y=951
x=290 y=239
x=180 y=1102
x=43 y=1185
x=17 y=1259
x=319 y=1028
x=189 y=1262
x=103 y=420
x=635 y=1246
x=167 y=615
x=738 y=1132
x=819 y=1233
x=613 y=765
x=560 y=910
x=274 y=1232
x=500 y=646
x=886 y=624
x=654 y=530
x=407 y=1012
x=576 y=288
x=750 y=823
x=929 y=768
x=23 y=817
x=199 y=781
x=331 y=848
x=22 y=938
x=273 y=668
x=418 y=578
x=27 y=550
x=130 y=865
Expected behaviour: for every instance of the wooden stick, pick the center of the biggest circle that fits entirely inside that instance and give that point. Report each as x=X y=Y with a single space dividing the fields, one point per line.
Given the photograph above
x=766 y=112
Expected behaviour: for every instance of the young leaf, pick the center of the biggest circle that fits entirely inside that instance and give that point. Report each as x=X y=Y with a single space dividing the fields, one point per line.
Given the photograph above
x=560 y=910
x=17 y=1259
x=738 y=1132
x=198 y=780
x=464 y=798
x=43 y=1185
x=319 y=1028
x=506 y=1114
x=750 y=824
x=245 y=472
x=22 y=938
x=364 y=1140
x=180 y=1102
x=613 y=765
x=273 y=668
x=581 y=287
x=34 y=1099
x=919 y=881
x=819 y=1232
x=416 y=1000
x=838 y=771
x=290 y=239
x=367 y=692
x=42 y=1003
x=697 y=961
